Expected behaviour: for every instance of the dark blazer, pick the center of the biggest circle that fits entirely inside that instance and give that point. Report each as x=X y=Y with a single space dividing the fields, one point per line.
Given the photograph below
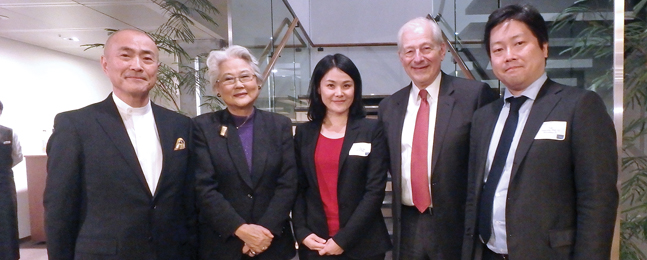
x=360 y=190
x=562 y=197
x=457 y=99
x=97 y=202
x=9 y=243
x=227 y=196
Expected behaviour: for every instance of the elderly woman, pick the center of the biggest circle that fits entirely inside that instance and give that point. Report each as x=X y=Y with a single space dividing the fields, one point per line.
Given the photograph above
x=342 y=165
x=245 y=167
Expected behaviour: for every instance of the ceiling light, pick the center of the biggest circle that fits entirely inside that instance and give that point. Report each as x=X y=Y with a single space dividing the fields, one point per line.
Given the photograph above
x=74 y=39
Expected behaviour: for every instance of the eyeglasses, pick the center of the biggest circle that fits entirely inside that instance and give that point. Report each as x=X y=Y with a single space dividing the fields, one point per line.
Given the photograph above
x=424 y=50
x=231 y=80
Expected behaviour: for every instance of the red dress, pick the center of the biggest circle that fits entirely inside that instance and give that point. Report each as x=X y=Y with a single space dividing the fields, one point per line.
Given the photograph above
x=327 y=155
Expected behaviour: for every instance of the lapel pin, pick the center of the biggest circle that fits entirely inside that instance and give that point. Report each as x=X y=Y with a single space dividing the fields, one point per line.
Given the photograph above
x=223 y=131
x=179 y=144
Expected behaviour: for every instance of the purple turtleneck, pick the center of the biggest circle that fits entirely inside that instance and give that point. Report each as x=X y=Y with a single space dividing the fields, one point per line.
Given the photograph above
x=245 y=126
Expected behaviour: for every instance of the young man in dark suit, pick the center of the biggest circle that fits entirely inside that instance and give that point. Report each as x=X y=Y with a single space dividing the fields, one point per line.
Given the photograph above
x=543 y=159
x=428 y=145
x=118 y=184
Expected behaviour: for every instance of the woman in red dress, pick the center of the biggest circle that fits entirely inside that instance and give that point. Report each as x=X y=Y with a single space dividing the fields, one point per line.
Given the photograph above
x=342 y=161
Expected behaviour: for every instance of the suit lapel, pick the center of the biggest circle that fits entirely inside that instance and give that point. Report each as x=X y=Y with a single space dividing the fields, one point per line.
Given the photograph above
x=165 y=132
x=349 y=138
x=401 y=99
x=261 y=144
x=489 y=122
x=310 y=138
x=235 y=148
x=113 y=125
x=443 y=116
x=541 y=108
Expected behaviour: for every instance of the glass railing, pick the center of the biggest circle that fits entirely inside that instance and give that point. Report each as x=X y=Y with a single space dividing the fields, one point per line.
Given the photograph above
x=283 y=52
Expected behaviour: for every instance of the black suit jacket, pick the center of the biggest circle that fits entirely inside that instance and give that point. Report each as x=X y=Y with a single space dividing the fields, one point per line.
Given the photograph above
x=97 y=202
x=360 y=190
x=227 y=196
x=562 y=196
x=457 y=99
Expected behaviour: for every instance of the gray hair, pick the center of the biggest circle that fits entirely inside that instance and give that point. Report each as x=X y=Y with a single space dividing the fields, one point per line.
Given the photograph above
x=232 y=52
x=436 y=32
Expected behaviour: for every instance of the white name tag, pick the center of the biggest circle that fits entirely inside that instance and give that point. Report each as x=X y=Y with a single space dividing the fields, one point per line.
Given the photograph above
x=360 y=149
x=552 y=130
x=6 y=142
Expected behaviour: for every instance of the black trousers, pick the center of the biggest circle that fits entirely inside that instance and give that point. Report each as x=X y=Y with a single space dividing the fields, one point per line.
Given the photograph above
x=9 y=244
x=312 y=255
x=489 y=255
x=418 y=239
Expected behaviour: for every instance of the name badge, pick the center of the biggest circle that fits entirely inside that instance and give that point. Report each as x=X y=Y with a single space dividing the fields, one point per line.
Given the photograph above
x=360 y=149
x=6 y=142
x=552 y=130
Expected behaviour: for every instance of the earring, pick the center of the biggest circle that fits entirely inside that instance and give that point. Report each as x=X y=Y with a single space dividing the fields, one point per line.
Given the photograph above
x=218 y=95
x=259 y=87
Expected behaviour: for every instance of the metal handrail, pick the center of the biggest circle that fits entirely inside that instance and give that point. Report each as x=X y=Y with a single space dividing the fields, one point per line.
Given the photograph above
x=457 y=58
x=285 y=22
x=279 y=49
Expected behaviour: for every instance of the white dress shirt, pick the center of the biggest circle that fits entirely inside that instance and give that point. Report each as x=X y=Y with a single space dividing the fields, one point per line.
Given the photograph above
x=142 y=130
x=498 y=242
x=407 y=135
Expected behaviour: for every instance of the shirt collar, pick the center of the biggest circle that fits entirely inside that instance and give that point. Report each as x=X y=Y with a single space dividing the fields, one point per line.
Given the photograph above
x=126 y=109
x=434 y=87
x=532 y=90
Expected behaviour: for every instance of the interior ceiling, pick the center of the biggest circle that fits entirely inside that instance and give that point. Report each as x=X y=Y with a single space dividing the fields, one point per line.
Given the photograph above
x=53 y=23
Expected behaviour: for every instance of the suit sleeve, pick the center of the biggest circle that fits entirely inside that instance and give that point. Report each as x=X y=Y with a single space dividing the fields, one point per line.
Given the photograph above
x=286 y=184
x=299 y=212
x=62 y=197
x=16 y=150
x=371 y=203
x=214 y=208
x=471 y=202
x=596 y=173
x=486 y=95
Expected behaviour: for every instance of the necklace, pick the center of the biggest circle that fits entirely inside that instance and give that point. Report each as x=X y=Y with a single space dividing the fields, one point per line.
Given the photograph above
x=247 y=118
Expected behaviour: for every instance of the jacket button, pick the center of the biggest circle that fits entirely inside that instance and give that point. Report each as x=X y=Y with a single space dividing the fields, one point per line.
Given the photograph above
x=150 y=238
x=250 y=196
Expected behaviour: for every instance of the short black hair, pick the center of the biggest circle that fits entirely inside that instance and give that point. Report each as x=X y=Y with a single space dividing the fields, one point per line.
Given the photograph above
x=526 y=14
x=317 y=109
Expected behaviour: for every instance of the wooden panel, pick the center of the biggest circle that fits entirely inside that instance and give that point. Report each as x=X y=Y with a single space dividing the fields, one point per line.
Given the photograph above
x=36 y=176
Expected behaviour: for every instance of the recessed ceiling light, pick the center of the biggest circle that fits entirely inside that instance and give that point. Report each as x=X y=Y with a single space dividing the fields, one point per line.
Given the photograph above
x=2 y=17
x=74 y=39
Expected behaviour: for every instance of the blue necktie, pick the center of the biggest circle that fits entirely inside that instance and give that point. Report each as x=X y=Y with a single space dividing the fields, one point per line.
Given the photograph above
x=498 y=163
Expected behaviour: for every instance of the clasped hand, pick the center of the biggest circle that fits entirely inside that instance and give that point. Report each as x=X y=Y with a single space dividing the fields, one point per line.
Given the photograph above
x=324 y=247
x=257 y=238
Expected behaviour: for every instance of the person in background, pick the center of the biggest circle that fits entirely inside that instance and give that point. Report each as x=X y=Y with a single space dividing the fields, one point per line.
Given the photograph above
x=118 y=179
x=427 y=125
x=10 y=155
x=342 y=163
x=245 y=167
x=543 y=159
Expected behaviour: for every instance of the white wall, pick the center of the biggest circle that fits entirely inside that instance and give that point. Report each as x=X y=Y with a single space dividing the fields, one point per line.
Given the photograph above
x=35 y=85
x=302 y=9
